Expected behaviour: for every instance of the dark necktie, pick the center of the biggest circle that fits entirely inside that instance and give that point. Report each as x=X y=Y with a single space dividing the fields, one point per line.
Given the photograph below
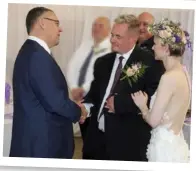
x=116 y=78
x=84 y=68
x=117 y=74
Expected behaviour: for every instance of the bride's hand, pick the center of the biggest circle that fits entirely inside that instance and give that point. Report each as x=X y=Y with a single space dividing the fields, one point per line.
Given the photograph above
x=140 y=99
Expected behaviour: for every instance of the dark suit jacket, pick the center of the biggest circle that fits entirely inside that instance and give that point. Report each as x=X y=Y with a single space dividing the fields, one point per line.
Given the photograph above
x=148 y=44
x=126 y=133
x=43 y=112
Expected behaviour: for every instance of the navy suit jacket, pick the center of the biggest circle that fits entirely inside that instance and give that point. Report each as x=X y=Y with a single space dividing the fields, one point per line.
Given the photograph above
x=43 y=112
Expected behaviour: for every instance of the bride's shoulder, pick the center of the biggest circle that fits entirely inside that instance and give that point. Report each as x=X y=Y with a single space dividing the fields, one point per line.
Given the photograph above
x=169 y=76
x=168 y=79
x=172 y=75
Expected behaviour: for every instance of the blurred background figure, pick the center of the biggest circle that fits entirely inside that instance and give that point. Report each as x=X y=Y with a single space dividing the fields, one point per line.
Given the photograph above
x=80 y=67
x=146 y=39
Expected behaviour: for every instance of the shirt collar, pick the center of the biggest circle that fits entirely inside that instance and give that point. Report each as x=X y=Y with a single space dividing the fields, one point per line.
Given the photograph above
x=41 y=43
x=103 y=44
x=126 y=55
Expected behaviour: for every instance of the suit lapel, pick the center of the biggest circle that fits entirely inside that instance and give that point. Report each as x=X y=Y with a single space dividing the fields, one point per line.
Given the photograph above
x=50 y=57
x=133 y=58
x=107 y=70
x=110 y=63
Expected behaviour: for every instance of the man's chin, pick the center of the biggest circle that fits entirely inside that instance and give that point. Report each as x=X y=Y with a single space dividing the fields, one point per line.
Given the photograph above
x=142 y=38
x=114 y=50
x=157 y=58
x=57 y=43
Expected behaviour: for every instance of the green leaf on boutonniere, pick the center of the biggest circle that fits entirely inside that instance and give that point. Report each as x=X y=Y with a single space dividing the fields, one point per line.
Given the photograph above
x=133 y=72
x=129 y=81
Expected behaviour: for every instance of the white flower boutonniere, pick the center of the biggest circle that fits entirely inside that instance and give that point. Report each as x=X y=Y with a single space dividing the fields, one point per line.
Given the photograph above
x=133 y=72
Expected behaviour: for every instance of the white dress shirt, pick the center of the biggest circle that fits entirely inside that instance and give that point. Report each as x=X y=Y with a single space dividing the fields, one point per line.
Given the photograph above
x=116 y=62
x=41 y=43
x=78 y=59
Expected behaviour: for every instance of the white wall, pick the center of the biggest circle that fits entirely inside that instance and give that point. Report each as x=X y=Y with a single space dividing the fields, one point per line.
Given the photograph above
x=76 y=23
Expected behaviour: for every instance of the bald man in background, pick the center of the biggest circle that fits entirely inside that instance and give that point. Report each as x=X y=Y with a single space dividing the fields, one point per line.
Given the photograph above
x=80 y=67
x=146 y=39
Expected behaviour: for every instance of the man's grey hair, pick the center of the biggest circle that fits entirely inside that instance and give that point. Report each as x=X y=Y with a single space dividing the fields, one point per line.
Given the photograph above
x=129 y=19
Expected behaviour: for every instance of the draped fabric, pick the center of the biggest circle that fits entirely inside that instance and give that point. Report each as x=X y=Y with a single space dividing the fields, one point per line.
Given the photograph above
x=76 y=22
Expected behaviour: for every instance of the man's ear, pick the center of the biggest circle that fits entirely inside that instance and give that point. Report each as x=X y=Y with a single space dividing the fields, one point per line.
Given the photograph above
x=134 y=36
x=42 y=23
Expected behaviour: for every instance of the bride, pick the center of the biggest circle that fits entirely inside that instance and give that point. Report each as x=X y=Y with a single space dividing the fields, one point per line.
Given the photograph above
x=171 y=101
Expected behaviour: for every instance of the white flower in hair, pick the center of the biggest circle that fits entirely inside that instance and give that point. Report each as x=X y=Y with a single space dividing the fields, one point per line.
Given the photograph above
x=184 y=39
x=168 y=29
x=170 y=33
x=173 y=39
x=164 y=34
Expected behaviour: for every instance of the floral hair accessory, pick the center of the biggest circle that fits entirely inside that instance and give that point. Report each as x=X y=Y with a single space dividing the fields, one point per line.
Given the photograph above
x=170 y=33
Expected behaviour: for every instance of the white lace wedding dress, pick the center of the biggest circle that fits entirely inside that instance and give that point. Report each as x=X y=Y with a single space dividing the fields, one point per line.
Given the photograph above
x=165 y=145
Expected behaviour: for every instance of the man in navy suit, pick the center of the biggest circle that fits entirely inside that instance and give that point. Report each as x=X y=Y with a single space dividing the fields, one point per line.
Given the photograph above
x=43 y=112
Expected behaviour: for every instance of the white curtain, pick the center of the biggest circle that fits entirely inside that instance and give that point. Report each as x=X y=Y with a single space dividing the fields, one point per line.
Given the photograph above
x=76 y=22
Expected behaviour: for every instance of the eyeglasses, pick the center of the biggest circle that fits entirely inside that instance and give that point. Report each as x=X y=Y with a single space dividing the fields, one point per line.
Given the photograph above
x=56 y=21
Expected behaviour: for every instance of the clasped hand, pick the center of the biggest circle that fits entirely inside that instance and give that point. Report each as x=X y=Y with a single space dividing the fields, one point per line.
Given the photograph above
x=110 y=104
x=84 y=112
x=140 y=99
x=77 y=94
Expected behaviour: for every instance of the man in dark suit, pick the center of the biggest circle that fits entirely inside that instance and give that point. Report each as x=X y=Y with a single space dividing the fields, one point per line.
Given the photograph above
x=116 y=131
x=146 y=39
x=43 y=112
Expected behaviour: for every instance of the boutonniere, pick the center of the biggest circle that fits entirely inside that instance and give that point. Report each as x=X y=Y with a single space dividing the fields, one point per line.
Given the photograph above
x=133 y=72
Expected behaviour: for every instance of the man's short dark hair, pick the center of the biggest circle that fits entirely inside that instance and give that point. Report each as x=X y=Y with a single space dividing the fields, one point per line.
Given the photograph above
x=33 y=15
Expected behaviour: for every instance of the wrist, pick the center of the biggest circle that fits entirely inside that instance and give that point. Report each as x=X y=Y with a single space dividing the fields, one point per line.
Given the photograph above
x=144 y=110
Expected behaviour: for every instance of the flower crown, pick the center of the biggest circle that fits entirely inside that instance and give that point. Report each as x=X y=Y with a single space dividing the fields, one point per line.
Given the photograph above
x=170 y=33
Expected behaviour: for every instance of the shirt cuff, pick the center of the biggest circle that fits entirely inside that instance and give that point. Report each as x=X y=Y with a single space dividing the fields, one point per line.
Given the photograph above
x=88 y=107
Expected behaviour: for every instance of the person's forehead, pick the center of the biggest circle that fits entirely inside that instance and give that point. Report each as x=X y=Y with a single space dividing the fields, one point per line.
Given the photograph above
x=122 y=25
x=145 y=18
x=119 y=27
x=98 y=22
x=102 y=21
